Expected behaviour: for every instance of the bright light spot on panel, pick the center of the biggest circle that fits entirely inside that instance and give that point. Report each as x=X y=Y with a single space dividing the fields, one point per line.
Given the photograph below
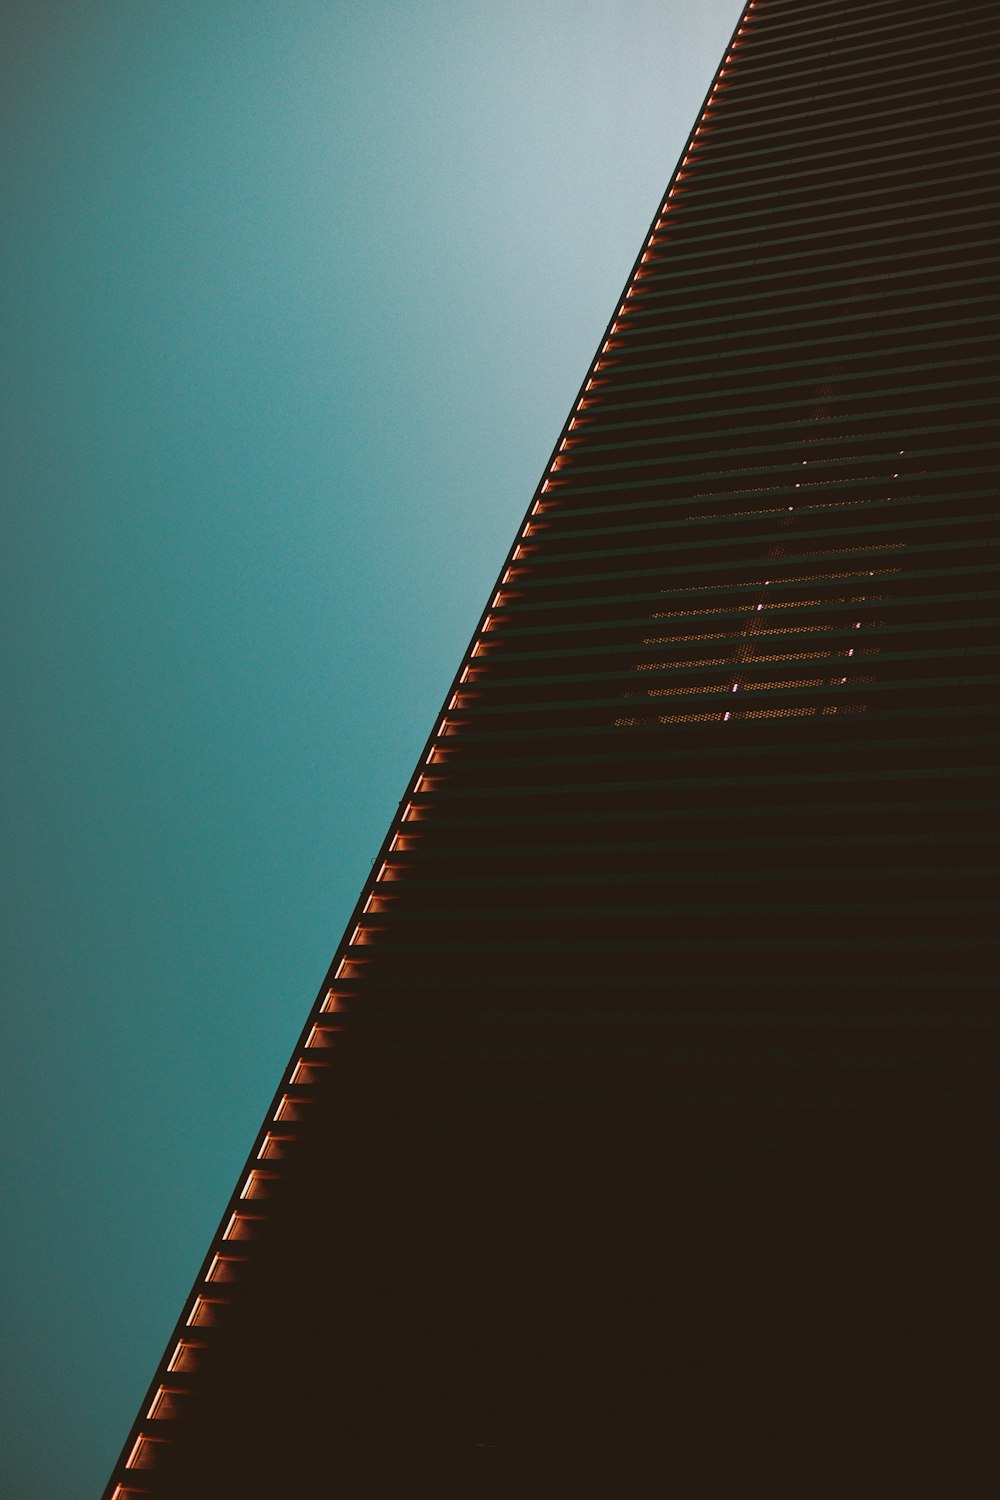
x=145 y=1452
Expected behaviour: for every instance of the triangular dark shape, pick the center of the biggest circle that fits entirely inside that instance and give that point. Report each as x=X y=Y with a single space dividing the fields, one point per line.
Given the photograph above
x=653 y=1087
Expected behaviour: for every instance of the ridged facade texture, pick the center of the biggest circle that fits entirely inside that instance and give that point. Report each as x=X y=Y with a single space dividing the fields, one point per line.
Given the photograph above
x=677 y=970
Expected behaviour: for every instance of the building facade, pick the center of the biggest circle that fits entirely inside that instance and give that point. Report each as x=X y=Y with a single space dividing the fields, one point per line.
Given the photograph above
x=673 y=986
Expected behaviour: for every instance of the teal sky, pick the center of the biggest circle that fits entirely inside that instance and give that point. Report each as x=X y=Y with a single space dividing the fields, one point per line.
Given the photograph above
x=296 y=297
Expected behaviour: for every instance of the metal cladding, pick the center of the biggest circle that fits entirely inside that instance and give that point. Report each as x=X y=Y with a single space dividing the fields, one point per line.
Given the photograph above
x=674 y=983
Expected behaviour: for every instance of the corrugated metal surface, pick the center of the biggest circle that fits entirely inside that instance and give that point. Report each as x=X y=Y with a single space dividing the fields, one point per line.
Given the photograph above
x=677 y=969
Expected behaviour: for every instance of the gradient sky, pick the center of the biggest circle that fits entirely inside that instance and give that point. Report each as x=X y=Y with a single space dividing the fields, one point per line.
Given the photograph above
x=297 y=296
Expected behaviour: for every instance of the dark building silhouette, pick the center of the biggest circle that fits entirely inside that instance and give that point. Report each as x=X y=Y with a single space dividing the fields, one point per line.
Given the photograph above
x=668 y=1015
